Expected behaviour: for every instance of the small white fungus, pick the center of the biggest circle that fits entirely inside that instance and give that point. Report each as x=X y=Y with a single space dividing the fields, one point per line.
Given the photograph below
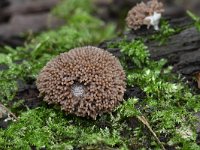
x=154 y=20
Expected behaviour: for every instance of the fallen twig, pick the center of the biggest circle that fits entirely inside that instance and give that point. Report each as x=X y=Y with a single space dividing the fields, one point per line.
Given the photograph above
x=146 y=123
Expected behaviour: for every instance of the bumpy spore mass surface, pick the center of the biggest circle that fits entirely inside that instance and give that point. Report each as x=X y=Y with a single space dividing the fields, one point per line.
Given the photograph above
x=136 y=16
x=85 y=81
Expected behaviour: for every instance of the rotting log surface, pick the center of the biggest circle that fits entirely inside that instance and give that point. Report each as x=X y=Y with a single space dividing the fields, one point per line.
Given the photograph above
x=182 y=50
x=23 y=16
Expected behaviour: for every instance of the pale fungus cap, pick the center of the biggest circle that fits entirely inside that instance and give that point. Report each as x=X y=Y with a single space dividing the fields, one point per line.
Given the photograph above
x=145 y=14
x=86 y=81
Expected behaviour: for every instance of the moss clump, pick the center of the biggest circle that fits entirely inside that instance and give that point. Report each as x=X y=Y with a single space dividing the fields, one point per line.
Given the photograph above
x=136 y=52
x=196 y=20
x=169 y=106
x=50 y=129
x=166 y=31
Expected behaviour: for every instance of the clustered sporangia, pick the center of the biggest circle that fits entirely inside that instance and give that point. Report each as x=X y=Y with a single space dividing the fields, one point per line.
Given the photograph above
x=86 y=81
x=145 y=14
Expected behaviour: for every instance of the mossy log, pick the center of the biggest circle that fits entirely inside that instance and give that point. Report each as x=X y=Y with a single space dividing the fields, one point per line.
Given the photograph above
x=182 y=50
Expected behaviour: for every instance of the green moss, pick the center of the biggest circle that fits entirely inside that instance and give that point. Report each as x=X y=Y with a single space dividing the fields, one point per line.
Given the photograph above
x=66 y=8
x=169 y=104
x=135 y=51
x=165 y=32
x=196 y=20
x=51 y=129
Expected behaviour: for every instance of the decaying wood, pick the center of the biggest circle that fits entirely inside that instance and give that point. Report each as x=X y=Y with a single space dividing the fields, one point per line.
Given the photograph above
x=3 y=5
x=12 y=41
x=24 y=23
x=21 y=16
x=182 y=50
x=30 y=6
